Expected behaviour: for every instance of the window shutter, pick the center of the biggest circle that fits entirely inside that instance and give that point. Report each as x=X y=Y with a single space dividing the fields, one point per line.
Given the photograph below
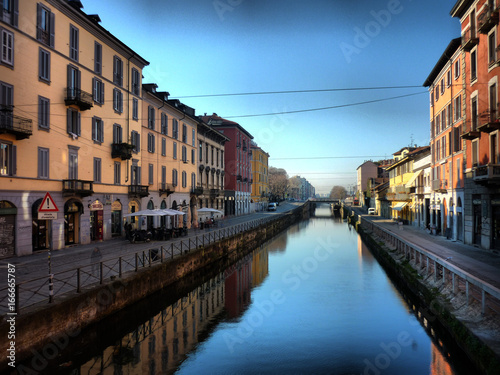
x=78 y=127
x=68 y=78
x=40 y=112
x=14 y=160
x=15 y=19
x=68 y=121
x=52 y=28
x=38 y=21
x=102 y=92
x=94 y=126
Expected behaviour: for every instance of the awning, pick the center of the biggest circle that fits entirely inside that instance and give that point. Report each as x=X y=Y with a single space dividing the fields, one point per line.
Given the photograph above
x=413 y=178
x=399 y=206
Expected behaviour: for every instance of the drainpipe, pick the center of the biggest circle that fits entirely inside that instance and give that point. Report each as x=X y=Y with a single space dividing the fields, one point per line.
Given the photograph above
x=128 y=112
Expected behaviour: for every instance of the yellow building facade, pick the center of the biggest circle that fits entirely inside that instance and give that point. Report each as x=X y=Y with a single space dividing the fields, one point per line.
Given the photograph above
x=260 y=176
x=71 y=107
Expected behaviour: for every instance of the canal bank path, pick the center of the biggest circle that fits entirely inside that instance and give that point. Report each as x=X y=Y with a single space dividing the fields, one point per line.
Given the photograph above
x=36 y=266
x=481 y=263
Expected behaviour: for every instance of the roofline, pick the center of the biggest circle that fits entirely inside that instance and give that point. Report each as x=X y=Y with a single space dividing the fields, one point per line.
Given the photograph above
x=460 y=8
x=448 y=53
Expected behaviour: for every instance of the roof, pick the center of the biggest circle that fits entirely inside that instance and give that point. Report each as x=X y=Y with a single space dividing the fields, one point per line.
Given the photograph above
x=217 y=121
x=414 y=152
x=448 y=53
x=460 y=7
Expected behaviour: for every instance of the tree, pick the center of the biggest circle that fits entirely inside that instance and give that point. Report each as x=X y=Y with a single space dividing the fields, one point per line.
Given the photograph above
x=338 y=192
x=278 y=182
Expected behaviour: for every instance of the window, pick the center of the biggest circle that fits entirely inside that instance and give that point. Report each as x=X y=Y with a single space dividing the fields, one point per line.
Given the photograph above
x=97 y=130
x=493 y=149
x=117 y=133
x=174 y=177
x=135 y=109
x=184 y=179
x=7 y=47
x=151 y=118
x=493 y=102
x=43 y=113
x=97 y=169
x=117 y=71
x=184 y=133
x=163 y=147
x=475 y=156
x=492 y=48
x=74 y=79
x=97 y=58
x=136 y=141
x=221 y=159
x=193 y=142
x=98 y=90
x=10 y=12
x=448 y=78
x=45 y=25
x=73 y=43
x=457 y=139
x=6 y=104
x=73 y=163
x=150 y=174
x=44 y=65
x=449 y=113
x=184 y=154
x=117 y=100
x=174 y=152
x=136 y=82
x=163 y=176
x=458 y=108
x=7 y=159
x=164 y=124
x=457 y=68
x=200 y=153
x=432 y=98
x=442 y=86
x=175 y=129
x=193 y=180
x=193 y=156
x=474 y=114
x=151 y=142
x=473 y=65
x=43 y=163
x=437 y=93
x=73 y=122
x=117 y=174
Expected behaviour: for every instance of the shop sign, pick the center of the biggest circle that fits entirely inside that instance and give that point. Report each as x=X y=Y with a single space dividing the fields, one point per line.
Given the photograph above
x=96 y=206
x=116 y=206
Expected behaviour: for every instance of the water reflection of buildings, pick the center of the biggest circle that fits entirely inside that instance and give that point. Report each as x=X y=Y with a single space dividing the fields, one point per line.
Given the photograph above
x=159 y=344
x=439 y=365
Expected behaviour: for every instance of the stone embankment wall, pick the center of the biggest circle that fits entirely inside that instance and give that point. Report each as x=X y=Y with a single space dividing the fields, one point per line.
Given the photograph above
x=475 y=333
x=45 y=330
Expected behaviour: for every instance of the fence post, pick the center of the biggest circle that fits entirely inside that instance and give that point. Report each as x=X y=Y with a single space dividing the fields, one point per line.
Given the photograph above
x=172 y=250
x=136 y=261
x=161 y=257
x=78 y=280
x=149 y=251
x=120 y=267
x=181 y=248
x=100 y=273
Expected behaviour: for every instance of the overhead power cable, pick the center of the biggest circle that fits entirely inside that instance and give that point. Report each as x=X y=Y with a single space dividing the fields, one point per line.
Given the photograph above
x=331 y=157
x=325 y=108
x=299 y=91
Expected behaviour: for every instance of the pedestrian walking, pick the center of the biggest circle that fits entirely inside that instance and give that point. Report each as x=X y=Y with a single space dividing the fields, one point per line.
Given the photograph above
x=95 y=259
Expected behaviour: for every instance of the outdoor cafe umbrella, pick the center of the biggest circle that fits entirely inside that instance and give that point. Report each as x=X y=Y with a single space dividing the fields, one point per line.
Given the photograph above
x=146 y=213
x=212 y=210
x=171 y=212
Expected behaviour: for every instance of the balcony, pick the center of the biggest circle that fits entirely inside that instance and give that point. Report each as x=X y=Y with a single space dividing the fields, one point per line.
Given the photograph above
x=197 y=190
x=238 y=177
x=487 y=19
x=489 y=121
x=138 y=191
x=439 y=186
x=20 y=127
x=78 y=97
x=164 y=188
x=486 y=174
x=77 y=187
x=121 y=150
x=471 y=134
x=469 y=40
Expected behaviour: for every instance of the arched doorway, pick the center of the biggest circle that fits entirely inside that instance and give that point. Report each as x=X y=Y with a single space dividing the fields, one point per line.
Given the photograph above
x=133 y=206
x=193 y=212
x=163 y=219
x=8 y=212
x=174 y=218
x=116 y=218
x=40 y=229
x=460 y=230
x=72 y=211
x=150 y=219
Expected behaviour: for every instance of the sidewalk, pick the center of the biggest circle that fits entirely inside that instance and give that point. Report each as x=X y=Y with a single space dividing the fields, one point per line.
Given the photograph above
x=36 y=265
x=483 y=264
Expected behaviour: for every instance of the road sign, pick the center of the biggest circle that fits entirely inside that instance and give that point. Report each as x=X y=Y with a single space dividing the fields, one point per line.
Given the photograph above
x=47 y=215
x=48 y=204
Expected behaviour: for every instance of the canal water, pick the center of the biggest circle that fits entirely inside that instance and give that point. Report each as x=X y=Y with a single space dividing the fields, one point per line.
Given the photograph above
x=312 y=301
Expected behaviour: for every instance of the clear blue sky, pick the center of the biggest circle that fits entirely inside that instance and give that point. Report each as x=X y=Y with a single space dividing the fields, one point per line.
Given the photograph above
x=202 y=47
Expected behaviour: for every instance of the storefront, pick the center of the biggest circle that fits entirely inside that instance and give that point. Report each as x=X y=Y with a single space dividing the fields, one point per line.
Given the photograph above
x=40 y=229
x=8 y=214
x=72 y=211
x=96 y=221
x=133 y=206
x=116 y=219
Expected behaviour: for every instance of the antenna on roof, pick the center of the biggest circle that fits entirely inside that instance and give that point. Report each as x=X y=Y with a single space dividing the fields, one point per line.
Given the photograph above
x=412 y=141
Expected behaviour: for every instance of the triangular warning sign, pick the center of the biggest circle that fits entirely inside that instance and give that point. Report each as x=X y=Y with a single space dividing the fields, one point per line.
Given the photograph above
x=48 y=204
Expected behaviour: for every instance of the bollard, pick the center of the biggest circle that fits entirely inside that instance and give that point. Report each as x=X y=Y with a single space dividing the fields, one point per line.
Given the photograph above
x=51 y=288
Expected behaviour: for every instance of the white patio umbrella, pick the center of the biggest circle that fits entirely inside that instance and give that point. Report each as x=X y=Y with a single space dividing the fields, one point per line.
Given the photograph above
x=207 y=210
x=171 y=212
x=146 y=213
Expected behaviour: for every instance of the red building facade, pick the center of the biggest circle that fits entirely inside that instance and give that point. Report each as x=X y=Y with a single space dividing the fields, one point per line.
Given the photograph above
x=237 y=164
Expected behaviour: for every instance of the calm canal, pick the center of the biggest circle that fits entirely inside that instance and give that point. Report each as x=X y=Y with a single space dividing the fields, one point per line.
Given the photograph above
x=312 y=301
